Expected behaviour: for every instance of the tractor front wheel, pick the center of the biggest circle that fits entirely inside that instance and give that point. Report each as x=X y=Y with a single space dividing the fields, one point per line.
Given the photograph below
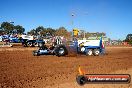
x=35 y=53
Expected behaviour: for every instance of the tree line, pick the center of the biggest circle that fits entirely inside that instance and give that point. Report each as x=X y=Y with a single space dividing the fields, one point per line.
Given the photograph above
x=61 y=31
x=10 y=28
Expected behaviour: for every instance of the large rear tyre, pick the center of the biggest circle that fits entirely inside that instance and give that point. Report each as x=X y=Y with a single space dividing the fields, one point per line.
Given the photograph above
x=60 y=50
x=96 y=52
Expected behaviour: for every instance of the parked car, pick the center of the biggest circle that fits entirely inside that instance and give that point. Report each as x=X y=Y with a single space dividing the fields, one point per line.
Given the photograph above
x=31 y=43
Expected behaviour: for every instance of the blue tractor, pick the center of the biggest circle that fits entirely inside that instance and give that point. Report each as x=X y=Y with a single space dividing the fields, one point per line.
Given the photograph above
x=58 y=50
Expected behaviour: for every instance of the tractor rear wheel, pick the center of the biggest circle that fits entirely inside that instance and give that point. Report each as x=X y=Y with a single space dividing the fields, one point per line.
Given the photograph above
x=60 y=50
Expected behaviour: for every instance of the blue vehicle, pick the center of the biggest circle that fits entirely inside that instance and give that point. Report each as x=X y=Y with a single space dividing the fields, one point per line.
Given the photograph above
x=31 y=43
x=14 y=40
x=86 y=47
x=91 y=47
x=59 y=50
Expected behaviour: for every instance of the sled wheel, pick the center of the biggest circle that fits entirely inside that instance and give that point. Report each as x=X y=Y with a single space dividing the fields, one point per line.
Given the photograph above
x=89 y=52
x=96 y=52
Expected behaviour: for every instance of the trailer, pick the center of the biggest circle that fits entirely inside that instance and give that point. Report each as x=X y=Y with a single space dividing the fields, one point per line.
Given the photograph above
x=91 y=47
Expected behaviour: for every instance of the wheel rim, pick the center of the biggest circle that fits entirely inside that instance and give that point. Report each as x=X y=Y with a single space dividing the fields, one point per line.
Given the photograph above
x=35 y=54
x=61 y=51
x=40 y=44
x=97 y=52
x=35 y=44
x=90 y=52
x=29 y=44
x=82 y=49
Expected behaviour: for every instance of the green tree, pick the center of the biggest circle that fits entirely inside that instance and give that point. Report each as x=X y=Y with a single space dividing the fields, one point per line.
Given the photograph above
x=129 y=39
x=87 y=34
x=62 y=32
x=32 y=32
x=51 y=31
x=36 y=31
x=20 y=29
x=39 y=29
x=7 y=27
x=101 y=34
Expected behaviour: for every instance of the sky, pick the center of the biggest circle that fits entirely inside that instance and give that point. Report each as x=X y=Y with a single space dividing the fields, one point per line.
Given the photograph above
x=114 y=17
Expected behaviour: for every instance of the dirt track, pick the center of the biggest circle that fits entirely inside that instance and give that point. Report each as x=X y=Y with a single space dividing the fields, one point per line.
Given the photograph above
x=20 y=69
